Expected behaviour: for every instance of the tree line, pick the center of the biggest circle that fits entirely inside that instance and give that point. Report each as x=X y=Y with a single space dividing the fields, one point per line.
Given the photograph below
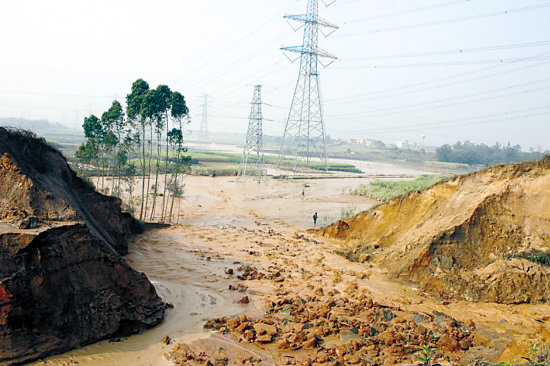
x=474 y=154
x=145 y=141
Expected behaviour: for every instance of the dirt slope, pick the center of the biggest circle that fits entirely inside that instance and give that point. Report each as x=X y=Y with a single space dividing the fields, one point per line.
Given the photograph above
x=38 y=187
x=457 y=238
x=63 y=283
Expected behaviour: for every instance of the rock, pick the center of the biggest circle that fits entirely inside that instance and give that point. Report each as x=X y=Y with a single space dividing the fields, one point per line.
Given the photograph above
x=364 y=257
x=233 y=323
x=388 y=315
x=348 y=335
x=341 y=351
x=244 y=300
x=447 y=343
x=465 y=345
x=282 y=344
x=262 y=329
x=418 y=318
x=310 y=343
x=65 y=285
x=248 y=334
x=241 y=328
x=264 y=338
x=420 y=330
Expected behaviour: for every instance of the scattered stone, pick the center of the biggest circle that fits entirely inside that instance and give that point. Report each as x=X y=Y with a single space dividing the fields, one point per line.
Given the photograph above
x=244 y=300
x=418 y=318
x=388 y=315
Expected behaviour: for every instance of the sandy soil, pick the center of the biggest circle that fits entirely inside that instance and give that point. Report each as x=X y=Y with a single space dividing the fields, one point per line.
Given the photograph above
x=225 y=225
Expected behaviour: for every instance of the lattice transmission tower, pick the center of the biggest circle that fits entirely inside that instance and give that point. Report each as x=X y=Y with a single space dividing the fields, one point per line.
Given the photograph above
x=203 y=133
x=252 y=163
x=304 y=135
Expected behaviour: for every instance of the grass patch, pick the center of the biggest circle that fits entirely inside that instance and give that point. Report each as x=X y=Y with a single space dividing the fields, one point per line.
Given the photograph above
x=347 y=212
x=534 y=255
x=386 y=190
x=215 y=170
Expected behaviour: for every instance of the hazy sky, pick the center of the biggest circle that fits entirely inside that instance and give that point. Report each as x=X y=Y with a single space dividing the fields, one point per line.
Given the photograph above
x=475 y=70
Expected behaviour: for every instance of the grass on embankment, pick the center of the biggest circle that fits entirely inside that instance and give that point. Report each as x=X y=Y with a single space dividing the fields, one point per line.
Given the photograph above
x=386 y=190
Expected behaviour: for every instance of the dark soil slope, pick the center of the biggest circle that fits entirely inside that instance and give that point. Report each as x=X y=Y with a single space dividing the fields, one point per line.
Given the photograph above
x=466 y=238
x=63 y=283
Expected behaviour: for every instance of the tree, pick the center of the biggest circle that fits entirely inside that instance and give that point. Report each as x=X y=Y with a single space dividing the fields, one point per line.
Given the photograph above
x=95 y=133
x=153 y=109
x=114 y=119
x=175 y=138
x=165 y=94
x=134 y=100
x=87 y=152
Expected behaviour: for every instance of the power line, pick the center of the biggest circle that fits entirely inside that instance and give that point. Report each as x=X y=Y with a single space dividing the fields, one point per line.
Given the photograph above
x=448 y=21
x=399 y=110
x=461 y=51
x=455 y=63
x=409 y=11
x=236 y=43
x=378 y=96
x=502 y=116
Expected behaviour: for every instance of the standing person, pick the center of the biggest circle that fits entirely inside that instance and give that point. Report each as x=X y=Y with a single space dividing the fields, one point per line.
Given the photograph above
x=303 y=194
x=315 y=219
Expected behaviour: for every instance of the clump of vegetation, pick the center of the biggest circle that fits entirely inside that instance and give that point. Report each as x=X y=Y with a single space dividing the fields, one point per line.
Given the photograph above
x=533 y=255
x=425 y=354
x=348 y=212
x=386 y=190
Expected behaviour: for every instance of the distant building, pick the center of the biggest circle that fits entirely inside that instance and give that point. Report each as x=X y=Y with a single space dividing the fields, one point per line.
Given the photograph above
x=401 y=144
x=405 y=144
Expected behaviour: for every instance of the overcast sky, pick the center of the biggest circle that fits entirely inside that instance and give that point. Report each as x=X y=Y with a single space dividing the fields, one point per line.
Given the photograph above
x=476 y=70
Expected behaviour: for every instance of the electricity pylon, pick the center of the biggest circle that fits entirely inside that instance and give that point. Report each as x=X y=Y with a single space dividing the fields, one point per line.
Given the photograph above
x=304 y=134
x=252 y=162
x=203 y=133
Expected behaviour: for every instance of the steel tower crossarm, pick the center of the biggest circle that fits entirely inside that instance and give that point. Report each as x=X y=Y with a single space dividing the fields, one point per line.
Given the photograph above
x=302 y=50
x=305 y=19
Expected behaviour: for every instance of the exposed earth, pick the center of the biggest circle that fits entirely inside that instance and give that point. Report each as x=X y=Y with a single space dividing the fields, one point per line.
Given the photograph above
x=63 y=282
x=244 y=262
